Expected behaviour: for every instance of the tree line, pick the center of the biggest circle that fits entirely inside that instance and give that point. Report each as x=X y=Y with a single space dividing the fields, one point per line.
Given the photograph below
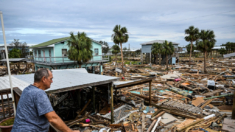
x=19 y=50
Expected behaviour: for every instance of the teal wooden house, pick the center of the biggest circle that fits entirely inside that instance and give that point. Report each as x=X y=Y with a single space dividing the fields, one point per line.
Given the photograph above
x=53 y=54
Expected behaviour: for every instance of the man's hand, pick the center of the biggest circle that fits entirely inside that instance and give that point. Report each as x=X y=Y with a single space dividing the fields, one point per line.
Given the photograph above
x=76 y=131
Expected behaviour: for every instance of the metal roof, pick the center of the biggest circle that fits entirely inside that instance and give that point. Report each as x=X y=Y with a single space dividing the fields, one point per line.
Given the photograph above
x=157 y=41
x=70 y=79
x=14 y=59
x=218 y=47
x=54 y=41
x=4 y=81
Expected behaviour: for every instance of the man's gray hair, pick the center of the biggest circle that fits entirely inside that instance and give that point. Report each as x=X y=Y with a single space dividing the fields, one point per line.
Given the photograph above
x=43 y=72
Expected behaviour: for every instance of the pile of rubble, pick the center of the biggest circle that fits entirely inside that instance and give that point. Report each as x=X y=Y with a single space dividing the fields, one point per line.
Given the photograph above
x=183 y=99
x=17 y=68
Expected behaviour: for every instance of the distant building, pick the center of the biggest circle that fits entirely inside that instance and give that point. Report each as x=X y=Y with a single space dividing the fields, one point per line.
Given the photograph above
x=9 y=48
x=146 y=48
x=53 y=54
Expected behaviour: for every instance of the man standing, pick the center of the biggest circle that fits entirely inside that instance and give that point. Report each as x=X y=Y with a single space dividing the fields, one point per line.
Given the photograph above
x=34 y=110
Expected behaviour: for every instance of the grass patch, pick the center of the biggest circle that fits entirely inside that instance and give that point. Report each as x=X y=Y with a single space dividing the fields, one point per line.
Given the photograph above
x=132 y=62
x=8 y=122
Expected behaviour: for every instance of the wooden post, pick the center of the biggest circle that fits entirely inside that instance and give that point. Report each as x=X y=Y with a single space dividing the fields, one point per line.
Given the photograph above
x=116 y=92
x=93 y=90
x=111 y=95
x=115 y=95
x=233 y=112
x=150 y=88
x=143 y=122
x=8 y=105
x=79 y=98
x=3 y=110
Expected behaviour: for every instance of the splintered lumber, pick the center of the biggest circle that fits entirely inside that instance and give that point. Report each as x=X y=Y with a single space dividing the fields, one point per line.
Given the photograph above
x=115 y=125
x=102 y=117
x=213 y=92
x=195 y=122
x=160 y=127
x=97 y=121
x=159 y=114
x=156 y=124
x=84 y=107
x=179 y=91
x=151 y=126
x=186 y=87
x=179 y=113
x=143 y=122
x=74 y=122
x=206 y=103
x=144 y=97
x=195 y=83
x=224 y=95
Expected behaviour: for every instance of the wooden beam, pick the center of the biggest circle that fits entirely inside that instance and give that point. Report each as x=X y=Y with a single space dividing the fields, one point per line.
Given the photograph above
x=84 y=108
x=134 y=83
x=112 y=113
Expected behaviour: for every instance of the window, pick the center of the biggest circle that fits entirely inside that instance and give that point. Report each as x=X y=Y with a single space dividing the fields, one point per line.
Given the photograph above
x=64 y=52
x=49 y=53
x=35 y=53
x=96 y=51
x=39 y=53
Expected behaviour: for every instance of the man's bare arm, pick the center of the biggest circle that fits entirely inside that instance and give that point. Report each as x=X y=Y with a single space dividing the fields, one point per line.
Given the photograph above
x=56 y=121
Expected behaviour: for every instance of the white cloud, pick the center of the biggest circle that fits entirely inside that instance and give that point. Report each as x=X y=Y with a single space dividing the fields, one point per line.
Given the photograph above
x=36 y=22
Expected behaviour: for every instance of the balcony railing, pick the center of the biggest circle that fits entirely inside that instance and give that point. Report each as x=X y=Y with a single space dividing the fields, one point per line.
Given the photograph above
x=57 y=60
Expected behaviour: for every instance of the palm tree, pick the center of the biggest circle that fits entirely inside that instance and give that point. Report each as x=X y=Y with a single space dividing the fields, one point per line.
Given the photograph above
x=156 y=49
x=167 y=49
x=192 y=36
x=115 y=50
x=206 y=43
x=120 y=36
x=79 y=48
x=188 y=48
x=222 y=51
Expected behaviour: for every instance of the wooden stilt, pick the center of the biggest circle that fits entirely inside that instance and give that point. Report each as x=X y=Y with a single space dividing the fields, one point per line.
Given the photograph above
x=93 y=90
x=79 y=98
x=112 y=113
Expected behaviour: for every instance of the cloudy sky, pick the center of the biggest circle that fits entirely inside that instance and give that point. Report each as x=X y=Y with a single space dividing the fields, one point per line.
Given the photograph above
x=37 y=21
